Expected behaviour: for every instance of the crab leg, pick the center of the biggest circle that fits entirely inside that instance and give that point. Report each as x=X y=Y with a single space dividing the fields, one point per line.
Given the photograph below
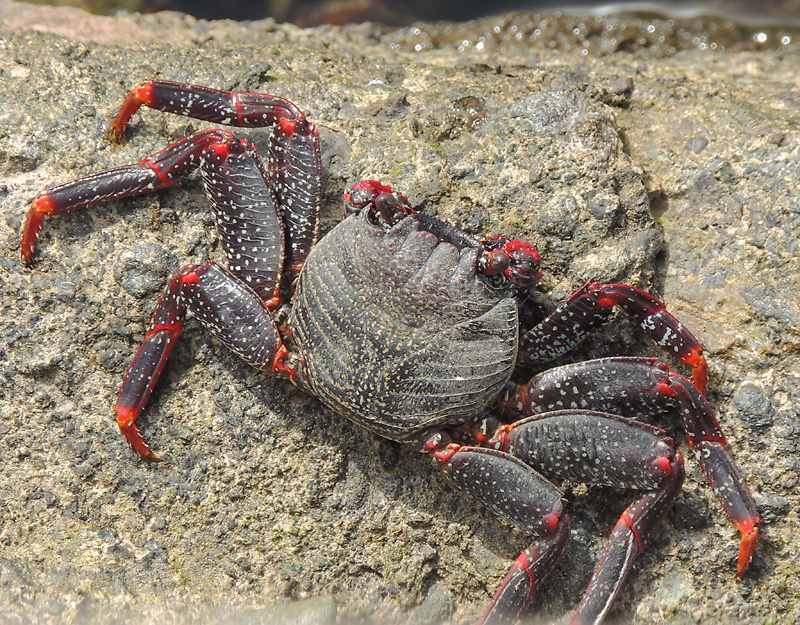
x=157 y=171
x=582 y=445
x=226 y=307
x=642 y=386
x=710 y=448
x=592 y=306
x=294 y=157
x=605 y=449
x=232 y=303
x=236 y=185
x=519 y=494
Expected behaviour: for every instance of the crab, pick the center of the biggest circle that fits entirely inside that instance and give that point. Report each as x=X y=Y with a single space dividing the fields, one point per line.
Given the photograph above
x=410 y=328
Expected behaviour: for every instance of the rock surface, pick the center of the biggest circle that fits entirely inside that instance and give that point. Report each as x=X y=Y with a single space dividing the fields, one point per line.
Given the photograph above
x=673 y=172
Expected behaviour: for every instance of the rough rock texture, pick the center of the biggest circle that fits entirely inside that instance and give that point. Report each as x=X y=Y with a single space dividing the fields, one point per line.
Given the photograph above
x=676 y=173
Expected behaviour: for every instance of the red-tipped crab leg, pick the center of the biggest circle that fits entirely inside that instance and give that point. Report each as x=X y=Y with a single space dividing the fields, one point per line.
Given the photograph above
x=636 y=386
x=594 y=447
x=294 y=159
x=237 y=108
x=231 y=311
x=157 y=171
x=592 y=306
x=710 y=448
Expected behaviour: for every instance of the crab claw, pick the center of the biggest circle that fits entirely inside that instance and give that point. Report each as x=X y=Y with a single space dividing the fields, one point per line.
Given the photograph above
x=517 y=261
x=380 y=199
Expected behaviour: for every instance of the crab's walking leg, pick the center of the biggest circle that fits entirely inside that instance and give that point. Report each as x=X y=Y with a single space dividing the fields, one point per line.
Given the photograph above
x=600 y=448
x=233 y=302
x=519 y=494
x=641 y=386
x=592 y=306
x=294 y=152
x=236 y=185
x=226 y=307
x=709 y=446
x=154 y=172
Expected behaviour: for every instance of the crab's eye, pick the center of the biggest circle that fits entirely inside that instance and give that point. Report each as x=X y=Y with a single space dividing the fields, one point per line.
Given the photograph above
x=494 y=262
x=355 y=201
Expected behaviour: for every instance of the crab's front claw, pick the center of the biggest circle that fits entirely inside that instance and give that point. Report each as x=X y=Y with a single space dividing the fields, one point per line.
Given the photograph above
x=518 y=262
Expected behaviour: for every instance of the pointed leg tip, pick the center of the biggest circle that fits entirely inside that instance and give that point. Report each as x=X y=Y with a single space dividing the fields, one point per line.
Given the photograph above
x=112 y=130
x=699 y=370
x=26 y=254
x=34 y=220
x=146 y=454
x=746 y=550
x=134 y=436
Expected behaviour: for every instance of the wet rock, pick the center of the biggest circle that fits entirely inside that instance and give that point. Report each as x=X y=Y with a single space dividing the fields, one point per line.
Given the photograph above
x=143 y=269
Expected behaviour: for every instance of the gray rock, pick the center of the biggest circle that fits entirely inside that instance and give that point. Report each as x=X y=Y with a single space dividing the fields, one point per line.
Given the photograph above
x=266 y=497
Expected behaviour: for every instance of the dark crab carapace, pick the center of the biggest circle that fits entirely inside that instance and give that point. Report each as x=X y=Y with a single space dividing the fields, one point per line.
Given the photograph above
x=409 y=327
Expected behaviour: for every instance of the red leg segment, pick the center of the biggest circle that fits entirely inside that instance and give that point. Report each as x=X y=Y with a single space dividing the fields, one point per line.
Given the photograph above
x=237 y=187
x=237 y=108
x=231 y=311
x=710 y=448
x=626 y=542
x=526 y=576
x=247 y=216
x=294 y=160
x=592 y=306
x=642 y=386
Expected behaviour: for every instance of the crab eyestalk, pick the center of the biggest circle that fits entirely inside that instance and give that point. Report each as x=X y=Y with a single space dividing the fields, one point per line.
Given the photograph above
x=516 y=261
x=494 y=263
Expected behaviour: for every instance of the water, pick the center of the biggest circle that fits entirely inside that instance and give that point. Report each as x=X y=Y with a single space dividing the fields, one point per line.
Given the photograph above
x=404 y=12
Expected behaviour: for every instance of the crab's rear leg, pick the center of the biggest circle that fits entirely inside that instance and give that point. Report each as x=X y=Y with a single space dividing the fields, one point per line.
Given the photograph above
x=575 y=445
x=233 y=302
x=236 y=185
x=604 y=449
x=294 y=160
x=517 y=493
x=592 y=306
x=229 y=309
x=642 y=386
